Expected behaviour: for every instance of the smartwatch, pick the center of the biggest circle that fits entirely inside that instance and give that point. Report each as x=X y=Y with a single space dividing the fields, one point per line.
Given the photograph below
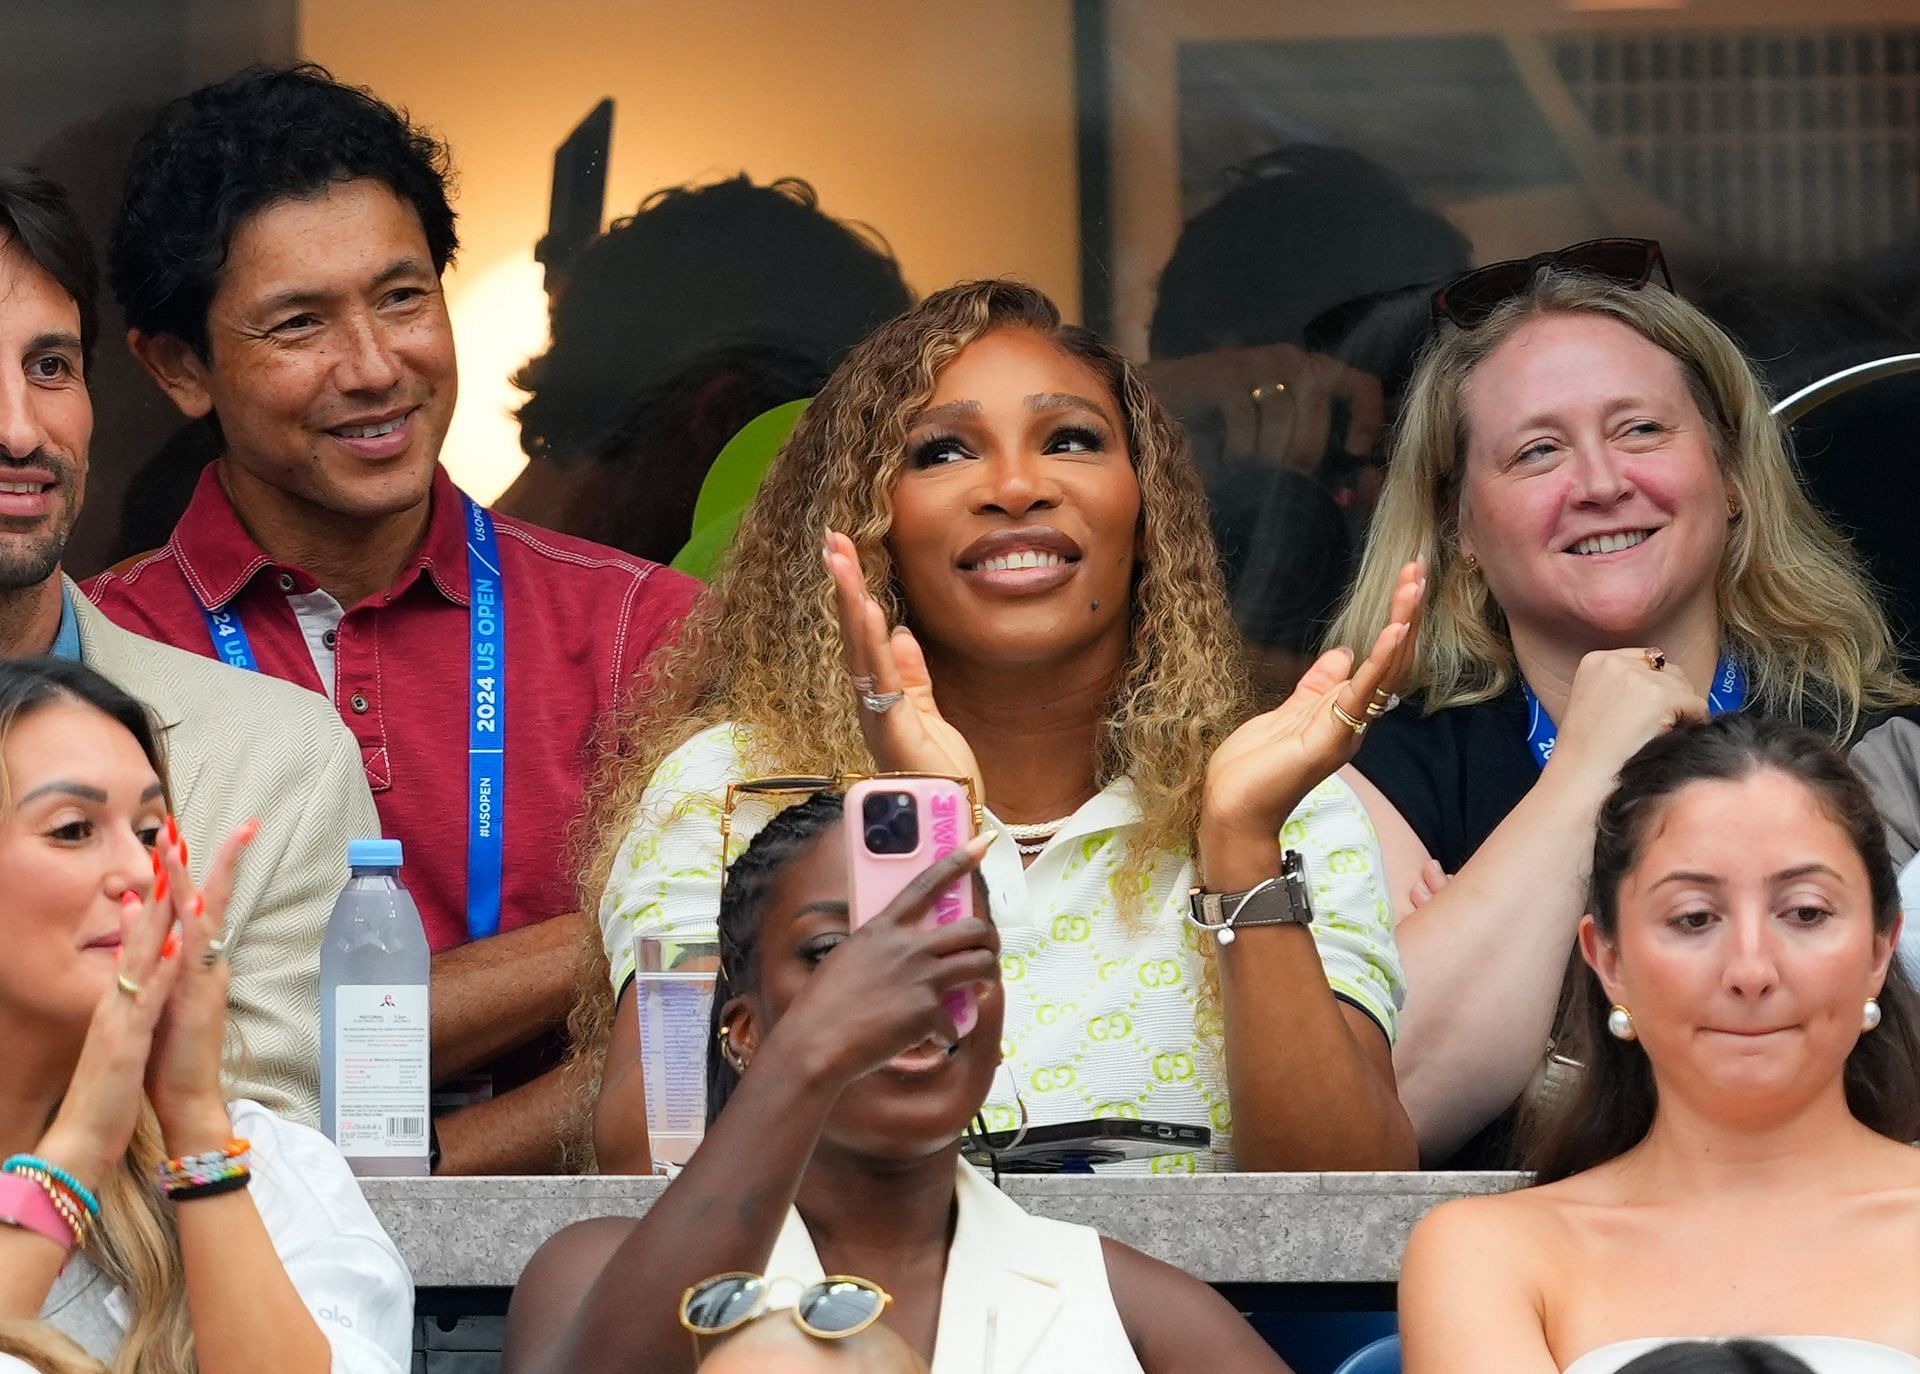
x=1279 y=901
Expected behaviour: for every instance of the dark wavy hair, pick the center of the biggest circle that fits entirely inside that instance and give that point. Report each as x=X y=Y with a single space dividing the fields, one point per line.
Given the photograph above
x=224 y=152
x=36 y=214
x=743 y=909
x=1611 y=1107
x=694 y=269
x=1717 y=1357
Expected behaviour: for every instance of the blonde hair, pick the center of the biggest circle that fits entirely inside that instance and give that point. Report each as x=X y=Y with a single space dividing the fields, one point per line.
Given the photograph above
x=762 y=648
x=135 y=1246
x=48 y=1350
x=1795 y=602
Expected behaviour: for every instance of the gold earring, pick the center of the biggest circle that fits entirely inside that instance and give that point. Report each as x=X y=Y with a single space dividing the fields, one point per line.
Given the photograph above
x=1733 y=506
x=729 y=1053
x=1469 y=562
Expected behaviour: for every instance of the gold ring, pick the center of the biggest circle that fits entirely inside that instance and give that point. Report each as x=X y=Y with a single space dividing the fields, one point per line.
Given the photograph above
x=1382 y=702
x=127 y=985
x=1347 y=718
x=1655 y=659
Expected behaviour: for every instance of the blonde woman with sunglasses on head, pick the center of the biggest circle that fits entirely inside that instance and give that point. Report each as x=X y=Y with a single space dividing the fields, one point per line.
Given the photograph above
x=840 y=1089
x=162 y=1227
x=1617 y=543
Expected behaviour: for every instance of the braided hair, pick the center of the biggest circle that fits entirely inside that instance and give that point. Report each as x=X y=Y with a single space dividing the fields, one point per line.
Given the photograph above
x=742 y=909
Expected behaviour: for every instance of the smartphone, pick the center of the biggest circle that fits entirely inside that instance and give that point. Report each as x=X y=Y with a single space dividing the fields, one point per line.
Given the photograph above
x=896 y=828
x=1074 y=1146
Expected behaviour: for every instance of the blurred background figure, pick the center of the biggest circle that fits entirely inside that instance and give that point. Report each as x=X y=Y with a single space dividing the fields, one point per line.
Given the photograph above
x=682 y=322
x=1280 y=338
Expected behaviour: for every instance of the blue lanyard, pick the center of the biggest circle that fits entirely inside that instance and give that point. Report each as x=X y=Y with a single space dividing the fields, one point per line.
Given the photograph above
x=1728 y=693
x=487 y=719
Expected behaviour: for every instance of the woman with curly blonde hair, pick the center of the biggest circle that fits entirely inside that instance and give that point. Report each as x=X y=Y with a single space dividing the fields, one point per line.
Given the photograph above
x=1618 y=542
x=1008 y=493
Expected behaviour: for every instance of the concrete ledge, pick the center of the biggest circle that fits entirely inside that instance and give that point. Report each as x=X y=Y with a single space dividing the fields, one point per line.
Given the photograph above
x=1224 y=1228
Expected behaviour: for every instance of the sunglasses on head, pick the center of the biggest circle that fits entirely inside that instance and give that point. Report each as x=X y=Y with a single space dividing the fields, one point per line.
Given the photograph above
x=1468 y=299
x=833 y=1309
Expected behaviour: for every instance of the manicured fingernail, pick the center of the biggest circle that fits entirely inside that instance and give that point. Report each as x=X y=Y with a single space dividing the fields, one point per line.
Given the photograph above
x=250 y=830
x=160 y=887
x=199 y=903
x=130 y=899
x=154 y=854
x=173 y=829
x=172 y=946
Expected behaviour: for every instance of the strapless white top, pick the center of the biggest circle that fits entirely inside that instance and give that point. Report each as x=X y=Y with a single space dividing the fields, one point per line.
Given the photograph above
x=1825 y=1354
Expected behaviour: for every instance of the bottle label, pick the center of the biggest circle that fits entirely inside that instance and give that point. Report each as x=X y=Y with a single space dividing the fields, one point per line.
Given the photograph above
x=380 y=1048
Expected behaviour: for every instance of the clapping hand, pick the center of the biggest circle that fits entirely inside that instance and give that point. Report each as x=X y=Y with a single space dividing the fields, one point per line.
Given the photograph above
x=183 y=1072
x=1267 y=767
x=904 y=729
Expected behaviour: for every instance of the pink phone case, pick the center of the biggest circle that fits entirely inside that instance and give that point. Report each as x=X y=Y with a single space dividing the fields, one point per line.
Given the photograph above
x=945 y=823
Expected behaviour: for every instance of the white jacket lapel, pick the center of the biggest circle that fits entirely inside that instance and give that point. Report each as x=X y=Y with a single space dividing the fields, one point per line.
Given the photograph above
x=1002 y=1290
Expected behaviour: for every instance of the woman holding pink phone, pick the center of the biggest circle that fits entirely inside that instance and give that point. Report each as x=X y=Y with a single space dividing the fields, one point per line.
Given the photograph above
x=984 y=554
x=829 y=1189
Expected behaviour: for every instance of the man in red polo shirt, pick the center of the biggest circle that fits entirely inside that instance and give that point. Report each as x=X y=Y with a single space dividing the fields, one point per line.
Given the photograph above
x=279 y=257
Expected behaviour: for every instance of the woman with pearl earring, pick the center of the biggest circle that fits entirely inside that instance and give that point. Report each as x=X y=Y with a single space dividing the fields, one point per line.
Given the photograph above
x=1735 y=1158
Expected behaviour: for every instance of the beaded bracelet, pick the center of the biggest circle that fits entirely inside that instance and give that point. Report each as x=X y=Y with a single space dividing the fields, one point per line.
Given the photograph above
x=78 y=1219
x=237 y=1178
x=204 y=1168
x=75 y=1188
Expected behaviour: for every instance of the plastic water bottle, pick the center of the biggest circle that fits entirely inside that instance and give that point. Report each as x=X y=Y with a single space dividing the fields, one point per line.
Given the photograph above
x=374 y=1029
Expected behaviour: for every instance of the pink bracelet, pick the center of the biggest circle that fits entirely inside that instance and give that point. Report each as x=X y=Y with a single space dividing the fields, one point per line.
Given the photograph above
x=24 y=1203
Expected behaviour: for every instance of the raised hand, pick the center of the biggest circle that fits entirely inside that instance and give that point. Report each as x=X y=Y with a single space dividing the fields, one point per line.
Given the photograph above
x=1274 y=403
x=910 y=736
x=883 y=990
x=1266 y=768
x=183 y=1073
x=91 y=1131
x=1619 y=701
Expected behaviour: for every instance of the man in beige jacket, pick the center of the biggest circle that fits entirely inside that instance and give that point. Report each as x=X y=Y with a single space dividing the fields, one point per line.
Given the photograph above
x=238 y=745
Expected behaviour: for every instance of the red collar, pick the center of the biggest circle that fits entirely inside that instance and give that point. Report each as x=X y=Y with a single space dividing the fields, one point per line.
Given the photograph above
x=219 y=558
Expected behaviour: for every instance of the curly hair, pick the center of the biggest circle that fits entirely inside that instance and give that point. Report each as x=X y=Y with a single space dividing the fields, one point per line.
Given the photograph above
x=697 y=268
x=216 y=156
x=762 y=648
x=1794 y=601
x=1611 y=1107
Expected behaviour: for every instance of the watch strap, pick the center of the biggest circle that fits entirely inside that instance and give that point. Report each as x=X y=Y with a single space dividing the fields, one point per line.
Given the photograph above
x=1280 y=900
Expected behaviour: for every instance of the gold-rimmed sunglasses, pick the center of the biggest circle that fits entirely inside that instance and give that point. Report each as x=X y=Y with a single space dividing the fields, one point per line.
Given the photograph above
x=803 y=785
x=832 y=1309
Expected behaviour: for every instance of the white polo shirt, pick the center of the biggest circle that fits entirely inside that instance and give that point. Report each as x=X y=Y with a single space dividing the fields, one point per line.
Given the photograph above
x=1104 y=1014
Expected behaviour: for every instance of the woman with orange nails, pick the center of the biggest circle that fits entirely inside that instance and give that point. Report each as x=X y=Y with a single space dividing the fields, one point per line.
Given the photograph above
x=161 y=1226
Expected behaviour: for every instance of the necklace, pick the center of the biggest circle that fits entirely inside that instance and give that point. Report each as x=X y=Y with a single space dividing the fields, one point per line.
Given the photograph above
x=1031 y=838
x=1038 y=830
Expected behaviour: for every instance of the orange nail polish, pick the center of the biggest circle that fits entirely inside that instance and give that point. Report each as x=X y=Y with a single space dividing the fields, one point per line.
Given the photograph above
x=172 y=946
x=160 y=887
x=199 y=903
x=173 y=830
x=154 y=854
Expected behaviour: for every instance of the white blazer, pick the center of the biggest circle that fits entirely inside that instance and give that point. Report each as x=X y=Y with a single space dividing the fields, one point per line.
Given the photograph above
x=1023 y=1295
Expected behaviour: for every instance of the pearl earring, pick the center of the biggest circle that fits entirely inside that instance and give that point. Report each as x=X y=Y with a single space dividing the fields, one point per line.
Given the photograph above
x=1870 y=1017
x=1620 y=1023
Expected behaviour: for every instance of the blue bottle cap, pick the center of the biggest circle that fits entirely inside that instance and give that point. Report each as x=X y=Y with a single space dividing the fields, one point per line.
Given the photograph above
x=373 y=853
